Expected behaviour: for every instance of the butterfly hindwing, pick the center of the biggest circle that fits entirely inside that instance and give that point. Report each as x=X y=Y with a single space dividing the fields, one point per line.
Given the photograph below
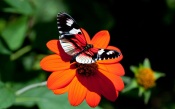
x=102 y=54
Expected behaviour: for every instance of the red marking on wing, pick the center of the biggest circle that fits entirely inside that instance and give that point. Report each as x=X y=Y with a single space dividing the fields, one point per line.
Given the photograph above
x=91 y=51
x=80 y=40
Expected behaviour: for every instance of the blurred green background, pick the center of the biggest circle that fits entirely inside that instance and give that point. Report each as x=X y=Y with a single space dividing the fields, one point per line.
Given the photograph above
x=140 y=28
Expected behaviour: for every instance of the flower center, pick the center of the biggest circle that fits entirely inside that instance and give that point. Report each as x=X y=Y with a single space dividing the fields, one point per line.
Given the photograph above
x=145 y=77
x=86 y=69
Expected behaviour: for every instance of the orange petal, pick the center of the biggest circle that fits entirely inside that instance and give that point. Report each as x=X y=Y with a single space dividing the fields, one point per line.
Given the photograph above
x=54 y=63
x=115 y=68
x=77 y=92
x=88 y=82
x=101 y=39
x=114 y=79
x=86 y=35
x=93 y=99
x=93 y=94
x=112 y=60
x=53 y=46
x=60 y=79
x=107 y=87
x=61 y=90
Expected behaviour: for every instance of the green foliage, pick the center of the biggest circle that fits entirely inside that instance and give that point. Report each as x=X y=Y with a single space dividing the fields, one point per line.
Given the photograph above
x=14 y=34
x=130 y=85
x=45 y=99
x=19 y=6
x=45 y=11
x=7 y=96
x=133 y=84
x=171 y=4
x=3 y=49
x=146 y=63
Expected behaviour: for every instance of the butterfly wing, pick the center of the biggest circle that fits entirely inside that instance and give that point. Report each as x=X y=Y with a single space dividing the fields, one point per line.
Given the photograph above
x=94 y=54
x=74 y=43
x=71 y=37
x=105 y=54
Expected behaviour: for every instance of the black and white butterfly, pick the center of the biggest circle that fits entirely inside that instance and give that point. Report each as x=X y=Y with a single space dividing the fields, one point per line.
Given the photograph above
x=74 y=42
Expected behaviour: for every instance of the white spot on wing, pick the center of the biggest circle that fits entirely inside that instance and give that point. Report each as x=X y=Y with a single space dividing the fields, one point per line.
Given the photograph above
x=69 y=22
x=61 y=36
x=60 y=32
x=74 y=31
x=101 y=51
x=110 y=52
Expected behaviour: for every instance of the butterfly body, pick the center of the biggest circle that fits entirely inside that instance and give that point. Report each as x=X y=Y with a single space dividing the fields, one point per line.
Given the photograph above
x=74 y=42
x=85 y=49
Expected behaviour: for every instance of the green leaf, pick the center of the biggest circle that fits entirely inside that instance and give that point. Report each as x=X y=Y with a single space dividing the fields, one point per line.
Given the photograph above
x=158 y=74
x=126 y=79
x=147 y=95
x=14 y=33
x=170 y=4
x=133 y=84
x=134 y=69
x=19 y=6
x=45 y=99
x=141 y=91
x=7 y=97
x=50 y=9
x=2 y=24
x=146 y=63
x=51 y=101
x=3 y=49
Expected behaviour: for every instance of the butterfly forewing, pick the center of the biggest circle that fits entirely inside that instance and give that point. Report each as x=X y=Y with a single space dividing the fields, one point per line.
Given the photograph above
x=67 y=25
x=71 y=37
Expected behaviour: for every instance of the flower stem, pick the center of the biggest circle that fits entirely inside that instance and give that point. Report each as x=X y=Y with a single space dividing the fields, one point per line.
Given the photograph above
x=20 y=91
x=20 y=52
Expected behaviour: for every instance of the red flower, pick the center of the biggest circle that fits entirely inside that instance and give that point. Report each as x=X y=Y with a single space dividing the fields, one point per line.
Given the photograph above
x=84 y=81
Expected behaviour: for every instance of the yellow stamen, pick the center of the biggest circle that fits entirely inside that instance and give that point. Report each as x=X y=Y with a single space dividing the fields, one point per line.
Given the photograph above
x=145 y=77
x=86 y=69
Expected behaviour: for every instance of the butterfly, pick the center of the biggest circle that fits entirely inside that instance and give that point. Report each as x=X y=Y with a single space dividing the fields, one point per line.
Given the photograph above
x=74 y=43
